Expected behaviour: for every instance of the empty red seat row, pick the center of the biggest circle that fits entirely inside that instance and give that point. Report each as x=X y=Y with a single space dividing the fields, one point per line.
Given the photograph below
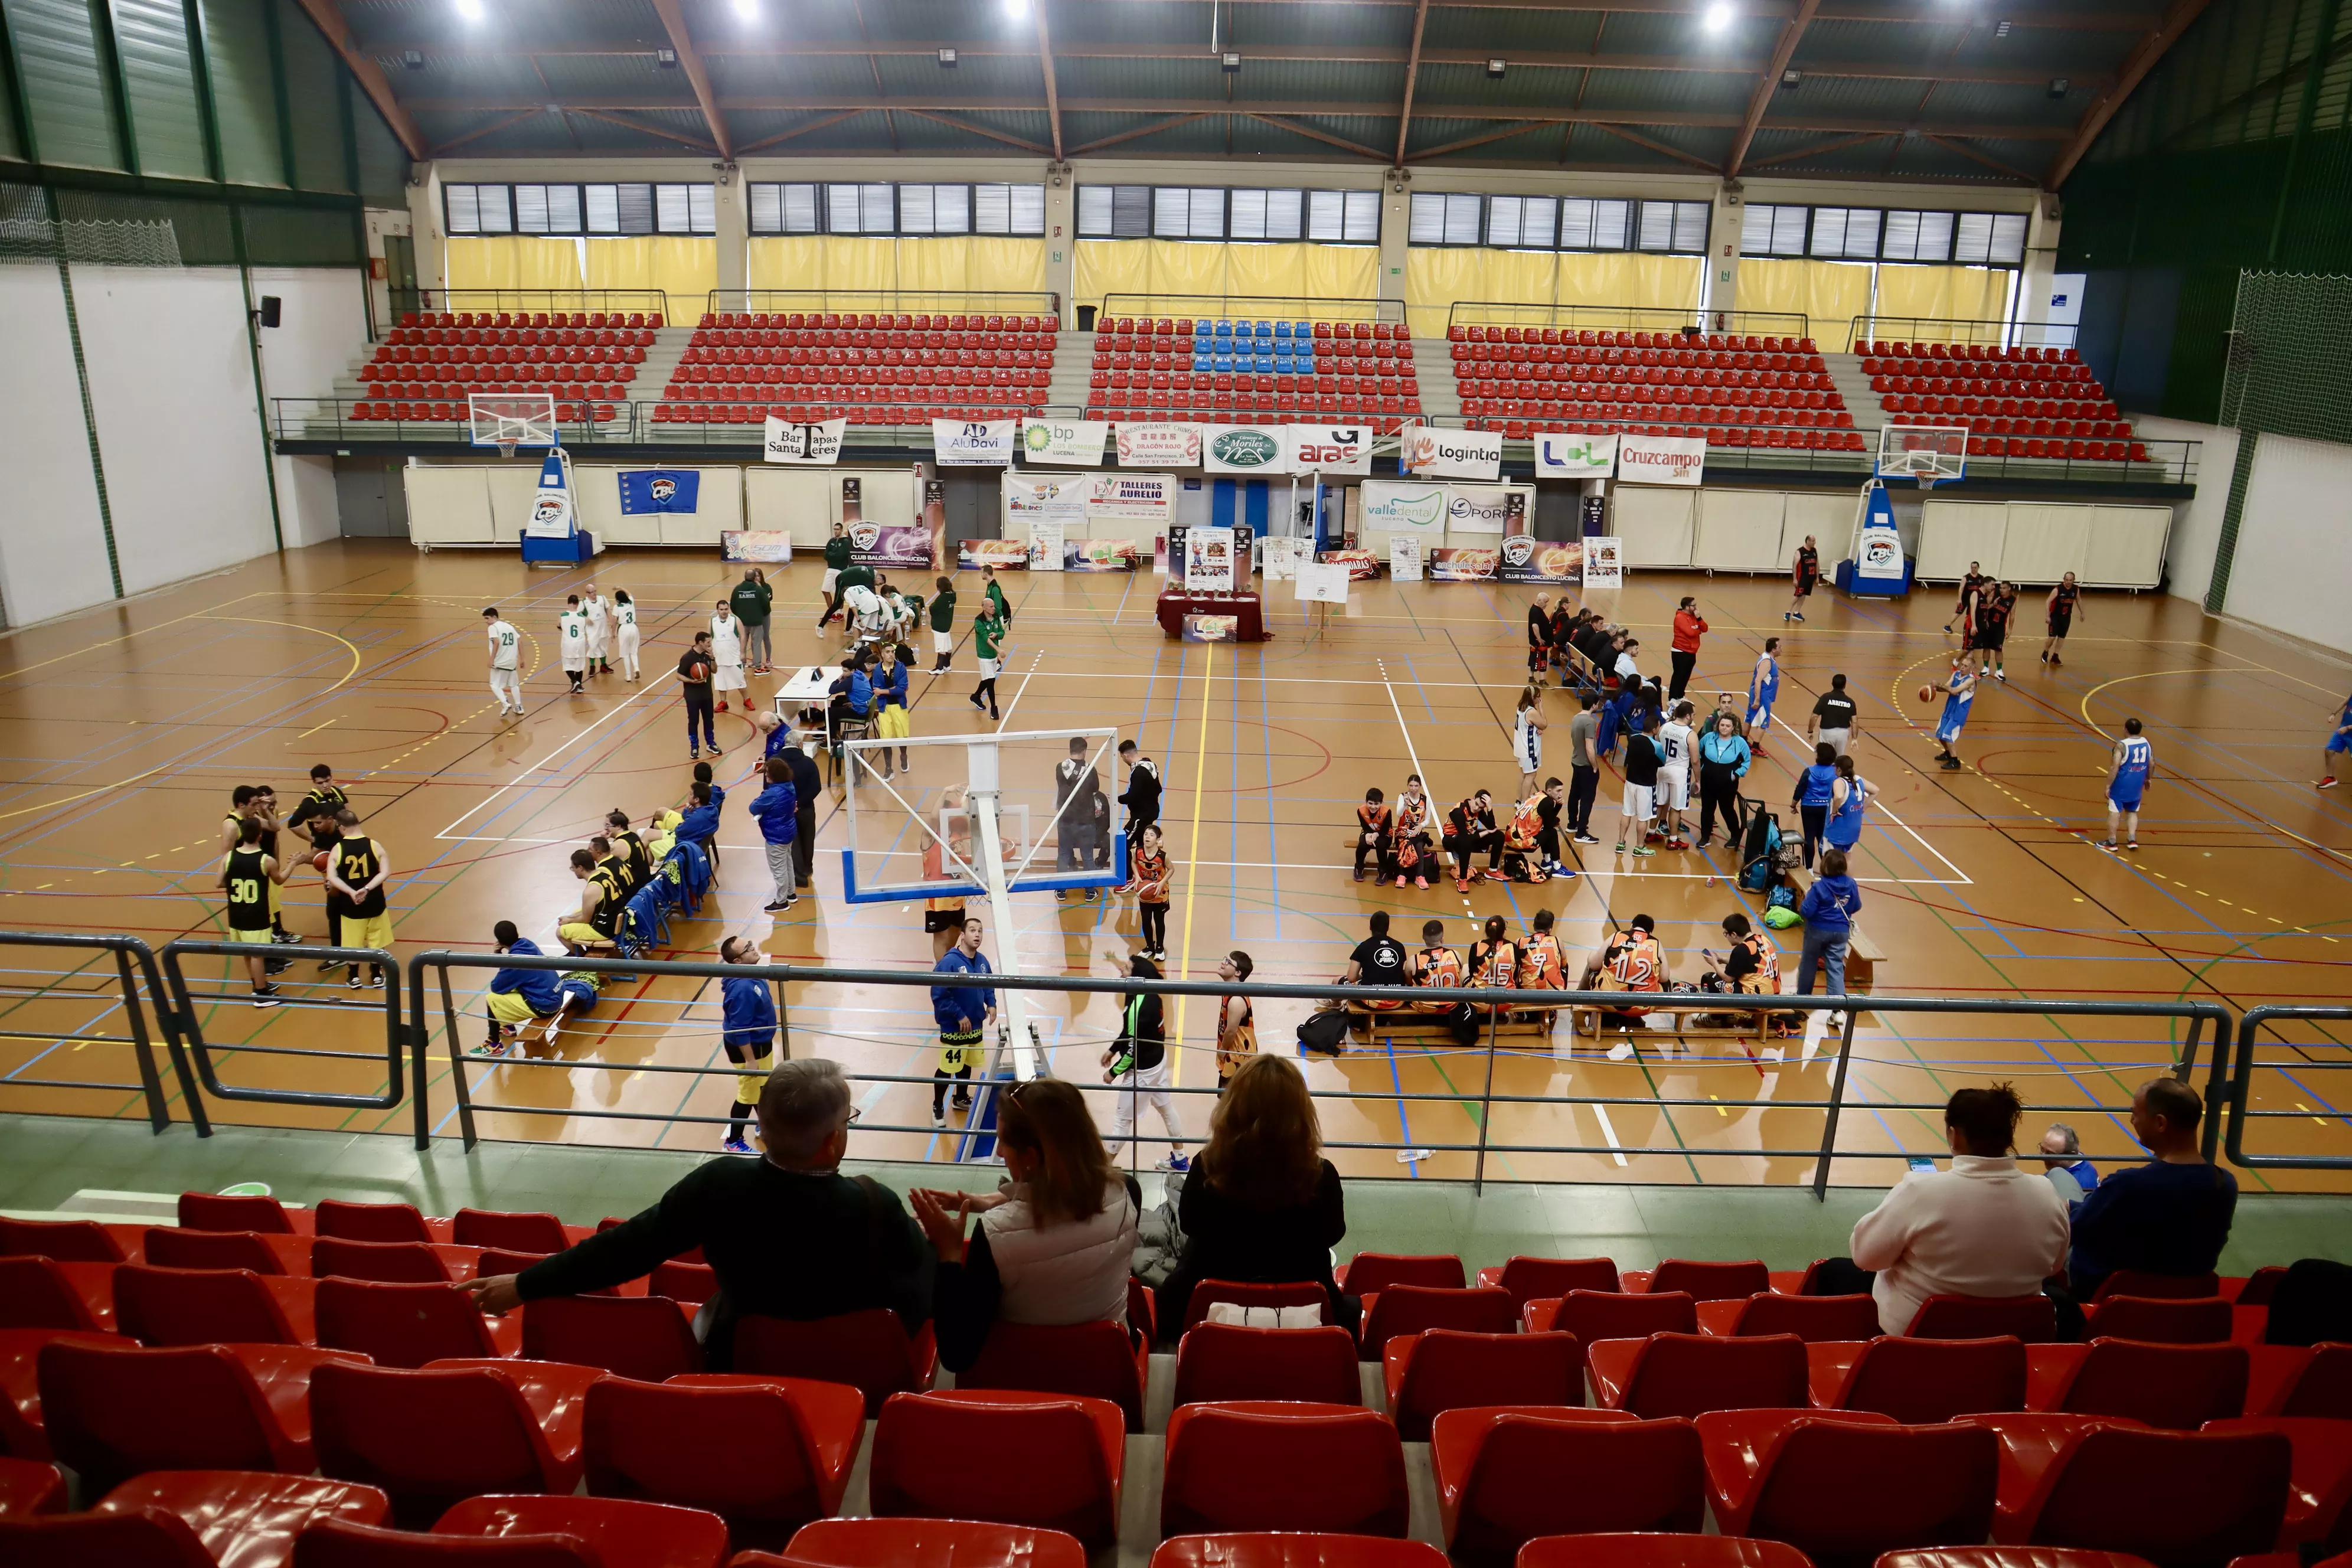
x=1974 y=353
x=1715 y=342
x=414 y=337
x=484 y=378
x=1182 y=327
x=856 y=413
x=692 y=376
x=712 y=340
x=1468 y=358
x=1025 y=358
x=502 y=353
x=868 y=321
x=1230 y=381
x=446 y=412
x=597 y=320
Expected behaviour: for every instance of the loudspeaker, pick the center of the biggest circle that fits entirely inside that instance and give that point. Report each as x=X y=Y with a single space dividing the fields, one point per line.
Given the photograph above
x=269 y=309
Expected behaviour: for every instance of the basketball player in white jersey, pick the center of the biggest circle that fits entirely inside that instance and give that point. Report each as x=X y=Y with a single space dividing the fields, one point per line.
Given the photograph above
x=506 y=663
x=571 y=636
x=1677 y=752
x=625 y=632
x=727 y=655
x=599 y=611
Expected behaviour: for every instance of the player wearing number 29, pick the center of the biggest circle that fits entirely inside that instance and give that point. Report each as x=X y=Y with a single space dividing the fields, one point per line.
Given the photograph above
x=246 y=873
x=506 y=662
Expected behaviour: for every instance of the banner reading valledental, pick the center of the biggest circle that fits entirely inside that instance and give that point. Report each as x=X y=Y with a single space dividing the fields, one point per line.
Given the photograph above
x=973 y=443
x=815 y=443
x=1660 y=460
x=1158 y=446
x=1241 y=449
x=1327 y=448
x=1388 y=507
x=550 y=509
x=1072 y=443
x=1568 y=455
x=1428 y=453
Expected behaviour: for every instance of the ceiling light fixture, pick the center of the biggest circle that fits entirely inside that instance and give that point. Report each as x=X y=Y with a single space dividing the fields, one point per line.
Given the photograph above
x=665 y=58
x=1496 y=68
x=470 y=11
x=1792 y=76
x=1016 y=10
x=747 y=10
x=2058 y=85
x=1718 y=18
x=1232 y=60
x=2001 y=28
x=414 y=59
x=947 y=60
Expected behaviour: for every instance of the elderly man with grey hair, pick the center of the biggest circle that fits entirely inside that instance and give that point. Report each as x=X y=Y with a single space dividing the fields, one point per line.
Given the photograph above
x=789 y=1234
x=2062 y=1154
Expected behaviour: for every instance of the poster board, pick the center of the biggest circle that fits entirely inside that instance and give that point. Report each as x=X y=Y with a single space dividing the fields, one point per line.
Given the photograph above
x=1605 y=563
x=1209 y=560
x=1404 y=559
x=1044 y=545
x=1321 y=582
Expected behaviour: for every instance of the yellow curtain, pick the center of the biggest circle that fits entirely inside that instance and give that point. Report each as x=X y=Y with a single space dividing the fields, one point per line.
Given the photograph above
x=1104 y=266
x=515 y=261
x=1341 y=271
x=793 y=261
x=1668 y=282
x=1942 y=293
x=1829 y=293
x=685 y=269
x=1268 y=271
x=1000 y=263
x=1434 y=279
x=1171 y=273
x=855 y=273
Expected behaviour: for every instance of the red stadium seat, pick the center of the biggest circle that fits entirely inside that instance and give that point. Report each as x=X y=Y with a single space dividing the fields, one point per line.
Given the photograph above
x=514 y=1232
x=1371 y=1271
x=1096 y=1360
x=1702 y=1281
x=1843 y=1488
x=1072 y=1451
x=1593 y=1315
x=432 y=1436
x=1919 y=1381
x=528 y=1533
x=2319 y=1492
x=1647 y=1550
x=2158 y=1320
x=2087 y=1483
x=21 y=1430
x=66 y=1241
x=767 y=1455
x=2032 y=1318
x=387 y=1262
x=1446 y=1369
x=2178 y=1386
x=870 y=1349
x=403 y=1325
x=923 y=1543
x=30 y=1486
x=641 y=1337
x=42 y=1293
x=1507 y=1475
x=1223 y=1361
x=211 y=1306
x=112 y=1414
x=373 y=1222
x=1270 y=1465
x=214 y=1249
x=1809 y=1318
x=1689 y=1374
x=197 y=1518
x=2288 y=1380
x=2007 y=1557
x=2161 y=1286
x=1410 y=1309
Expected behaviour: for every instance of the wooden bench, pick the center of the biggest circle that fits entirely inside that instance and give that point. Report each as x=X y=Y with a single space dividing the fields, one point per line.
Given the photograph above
x=1369 y=1024
x=1684 y=1006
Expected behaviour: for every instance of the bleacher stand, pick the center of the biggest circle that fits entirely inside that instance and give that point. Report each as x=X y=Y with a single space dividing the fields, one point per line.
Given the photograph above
x=1253 y=372
x=426 y=367
x=1729 y=390
x=867 y=368
x=2016 y=402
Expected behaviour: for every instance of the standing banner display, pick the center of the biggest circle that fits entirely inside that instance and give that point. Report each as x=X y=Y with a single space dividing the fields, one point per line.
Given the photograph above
x=1327 y=448
x=817 y=443
x=1569 y=455
x=1067 y=443
x=1168 y=557
x=1452 y=563
x=1281 y=555
x=1404 y=559
x=1387 y=507
x=1158 y=446
x=874 y=545
x=1046 y=544
x=1529 y=560
x=1209 y=560
x=1661 y=460
x=1321 y=582
x=1485 y=509
x=764 y=547
x=973 y=443
x=1426 y=452
x=672 y=490
x=1605 y=563
x=552 y=514
x=1241 y=449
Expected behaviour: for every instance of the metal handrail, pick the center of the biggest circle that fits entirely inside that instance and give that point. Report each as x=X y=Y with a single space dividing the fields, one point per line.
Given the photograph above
x=643 y=301
x=128 y=950
x=1946 y=329
x=2240 y=1082
x=896 y=301
x=1671 y=320
x=190 y=1027
x=1253 y=307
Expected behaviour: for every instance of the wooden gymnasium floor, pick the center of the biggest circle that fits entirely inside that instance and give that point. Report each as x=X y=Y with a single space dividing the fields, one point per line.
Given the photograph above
x=125 y=729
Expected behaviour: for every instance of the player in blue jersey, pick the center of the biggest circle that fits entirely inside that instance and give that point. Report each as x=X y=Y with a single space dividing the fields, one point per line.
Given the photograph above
x=1959 y=693
x=1763 y=690
x=2340 y=743
x=2128 y=782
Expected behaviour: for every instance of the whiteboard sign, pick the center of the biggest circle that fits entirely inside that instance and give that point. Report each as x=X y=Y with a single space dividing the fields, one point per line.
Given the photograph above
x=1322 y=582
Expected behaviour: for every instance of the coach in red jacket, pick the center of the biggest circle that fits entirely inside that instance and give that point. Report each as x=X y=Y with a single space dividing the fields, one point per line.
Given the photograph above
x=1688 y=625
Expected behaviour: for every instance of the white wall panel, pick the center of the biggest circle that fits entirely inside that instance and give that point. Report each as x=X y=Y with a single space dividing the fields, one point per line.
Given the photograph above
x=1738 y=531
x=1954 y=532
x=1828 y=518
x=2291 y=572
x=171 y=377
x=306 y=502
x=321 y=327
x=52 y=547
x=2043 y=542
x=2196 y=522
x=2126 y=547
x=447 y=505
x=513 y=484
x=1655 y=522
x=786 y=500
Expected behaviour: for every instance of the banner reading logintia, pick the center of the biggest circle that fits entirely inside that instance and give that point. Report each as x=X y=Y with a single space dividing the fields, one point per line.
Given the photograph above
x=1528 y=560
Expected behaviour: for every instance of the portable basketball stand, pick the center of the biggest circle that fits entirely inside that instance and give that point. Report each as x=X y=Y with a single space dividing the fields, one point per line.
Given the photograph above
x=510 y=421
x=1876 y=565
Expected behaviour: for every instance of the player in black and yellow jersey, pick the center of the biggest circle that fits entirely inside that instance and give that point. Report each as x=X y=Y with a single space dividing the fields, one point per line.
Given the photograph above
x=315 y=812
x=598 y=920
x=355 y=897
x=257 y=802
x=247 y=875
x=630 y=846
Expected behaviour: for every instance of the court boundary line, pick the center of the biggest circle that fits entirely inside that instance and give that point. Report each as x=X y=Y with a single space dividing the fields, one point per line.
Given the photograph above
x=547 y=761
x=1964 y=879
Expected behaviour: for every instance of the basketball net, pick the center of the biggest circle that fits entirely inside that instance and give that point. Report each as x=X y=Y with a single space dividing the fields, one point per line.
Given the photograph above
x=507 y=444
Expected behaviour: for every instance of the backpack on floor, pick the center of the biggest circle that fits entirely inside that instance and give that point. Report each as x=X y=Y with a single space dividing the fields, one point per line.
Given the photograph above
x=1782 y=896
x=1763 y=835
x=1324 y=1033
x=1758 y=874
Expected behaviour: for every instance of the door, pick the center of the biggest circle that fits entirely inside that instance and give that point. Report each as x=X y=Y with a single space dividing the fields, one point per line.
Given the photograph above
x=973 y=505
x=370 y=499
x=399 y=273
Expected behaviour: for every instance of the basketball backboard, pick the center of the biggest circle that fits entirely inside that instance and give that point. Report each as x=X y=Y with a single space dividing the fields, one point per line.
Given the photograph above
x=1930 y=454
x=509 y=420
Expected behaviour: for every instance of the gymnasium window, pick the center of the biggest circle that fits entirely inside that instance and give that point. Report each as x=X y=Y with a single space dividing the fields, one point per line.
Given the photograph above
x=570 y=209
x=1191 y=212
x=1555 y=223
x=1868 y=233
x=900 y=210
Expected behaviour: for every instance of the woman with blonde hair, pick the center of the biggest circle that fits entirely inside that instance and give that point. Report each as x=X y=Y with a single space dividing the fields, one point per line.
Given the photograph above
x=1262 y=1206
x=1053 y=1242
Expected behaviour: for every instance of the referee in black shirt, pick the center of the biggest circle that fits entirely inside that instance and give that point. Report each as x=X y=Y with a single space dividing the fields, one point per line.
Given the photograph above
x=1833 y=718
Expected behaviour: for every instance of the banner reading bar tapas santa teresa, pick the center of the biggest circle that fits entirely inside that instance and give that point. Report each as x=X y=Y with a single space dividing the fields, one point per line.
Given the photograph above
x=817 y=443
x=1429 y=453
x=973 y=443
x=1158 y=446
x=1660 y=460
x=1070 y=442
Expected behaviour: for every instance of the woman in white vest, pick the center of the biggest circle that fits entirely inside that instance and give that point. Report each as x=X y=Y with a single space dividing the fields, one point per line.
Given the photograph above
x=1052 y=1245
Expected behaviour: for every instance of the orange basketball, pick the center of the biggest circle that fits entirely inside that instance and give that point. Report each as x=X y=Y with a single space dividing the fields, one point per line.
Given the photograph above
x=697 y=671
x=319 y=862
x=1927 y=694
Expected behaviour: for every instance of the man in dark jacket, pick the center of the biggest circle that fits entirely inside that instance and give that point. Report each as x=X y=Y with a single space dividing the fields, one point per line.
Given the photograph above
x=962 y=1011
x=517 y=995
x=778 y=811
x=751 y=602
x=747 y=1031
x=1141 y=797
x=789 y=1236
x=808 y=787
x=2171 y=1215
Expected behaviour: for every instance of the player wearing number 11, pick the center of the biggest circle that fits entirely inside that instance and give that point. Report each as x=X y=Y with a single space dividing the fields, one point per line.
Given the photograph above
x=246 y=873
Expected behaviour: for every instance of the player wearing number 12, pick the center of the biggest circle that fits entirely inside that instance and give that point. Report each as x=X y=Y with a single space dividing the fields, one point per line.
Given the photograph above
x=246 y=874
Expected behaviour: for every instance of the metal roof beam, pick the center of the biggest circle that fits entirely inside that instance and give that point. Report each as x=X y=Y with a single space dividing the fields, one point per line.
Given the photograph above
x=1818 y=147
x=1310 y=131
x=1411 y=75
x=1046 y=60
x=1021 y=142
x=1638 y=139
x=612 y=118
x=1965 y=151
x=1791 y=31
x=2133 y=70
x=1170 y=123
x=672 y=22
x=329 y=19
x=819 y=124
x=480 y=131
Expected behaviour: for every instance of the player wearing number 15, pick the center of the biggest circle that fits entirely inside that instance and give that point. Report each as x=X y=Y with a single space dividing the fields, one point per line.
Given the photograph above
x=246 y=873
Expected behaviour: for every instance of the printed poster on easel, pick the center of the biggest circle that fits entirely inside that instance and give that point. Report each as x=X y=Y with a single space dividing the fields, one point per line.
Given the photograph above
x=1282 y=557
x=1605 y=563
x=1404 y=560
x=1046 y=544
x=1209 y=560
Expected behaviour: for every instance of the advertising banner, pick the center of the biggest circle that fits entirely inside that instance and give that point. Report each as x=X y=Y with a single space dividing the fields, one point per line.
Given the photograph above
x=1526 y=560
x=1046 y=544
x=550 y=509
x=1327 y=448
x=1071 y=443
x=1148 y=501
x=1322 y=583
x=1570 y=455
x=1404 y=559
x=1029 y=498
x=1209 y=560
x=1361 y=564
x=659 y=490
x=1004 y=554
x=818 y=443
x=1241 y=449
x=1280 y=556
x=1158 y=446
x=1428 y=453
x=1660 y=460
x=1486 y=509
x=890 y=544
x=1100 y=555
x=1454 y=564
x=1605 y=563
x=973 y=443
x=1399 y=509
x=763 y=547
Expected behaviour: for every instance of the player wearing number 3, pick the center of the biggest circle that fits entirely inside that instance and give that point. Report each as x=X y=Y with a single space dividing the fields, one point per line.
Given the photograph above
x=505 y=675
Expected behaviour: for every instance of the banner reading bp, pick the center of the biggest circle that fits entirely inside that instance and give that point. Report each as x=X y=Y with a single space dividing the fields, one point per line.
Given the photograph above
x=1566 y=455
x=1402 y=508
x=1069 y=443
x=1241 y=449
x=1526 y=560
x=1427 y=453
x=1660 y=460
x=659 y=490
x=973 y=442
x=818 y=443
x=550 y=509
x=1158 y=446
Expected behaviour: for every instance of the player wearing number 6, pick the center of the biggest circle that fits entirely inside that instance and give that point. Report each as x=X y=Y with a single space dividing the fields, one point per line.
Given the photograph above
x=247 y=875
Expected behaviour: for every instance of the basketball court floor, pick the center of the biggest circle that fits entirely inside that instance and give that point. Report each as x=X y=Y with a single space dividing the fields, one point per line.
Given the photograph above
x=124 y=729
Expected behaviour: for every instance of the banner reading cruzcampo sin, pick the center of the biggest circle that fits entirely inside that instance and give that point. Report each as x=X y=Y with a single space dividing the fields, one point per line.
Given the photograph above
x=1660 y=460
x=1428 y=453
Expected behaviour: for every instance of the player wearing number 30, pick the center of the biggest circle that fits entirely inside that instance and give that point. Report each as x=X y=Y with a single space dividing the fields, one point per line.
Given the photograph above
x=246 y=873
x=2128 y=781
x=506 y=672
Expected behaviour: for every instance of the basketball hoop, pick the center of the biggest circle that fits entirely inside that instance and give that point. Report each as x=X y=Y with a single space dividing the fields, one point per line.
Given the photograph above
x=507 y=444
x=512 y=420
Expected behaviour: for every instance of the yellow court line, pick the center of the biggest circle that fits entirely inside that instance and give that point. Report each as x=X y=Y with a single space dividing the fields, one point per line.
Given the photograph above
x=1192 y=851
x=93 y=647
x=2152 y=674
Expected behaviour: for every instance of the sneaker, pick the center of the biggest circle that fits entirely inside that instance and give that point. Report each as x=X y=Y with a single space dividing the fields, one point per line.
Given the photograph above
x=377 y=980
x=1677 y=843
x=278 y=966
x=1798 y=617
x=1461 y=884
x=939 y=1121
x=2132 y=844
x=265 y=997
x=978 y=704
x=1359 y=877
x=1586 y=838
x=774 y=909
x=2045 y=658
x=694 y=755
x=1951 y=765
x=1645 y=849
x=960 y=1104
x=735 y=1146
x=2108 y=844
x=1420 y=882
x=2328 y=782
x=1493 y=874
x=722 y=708
x=716 y=747
x=1621 y=846
x=2000 y=675
x=283 y=936
x=1175 y=1162
x=995 y=715
x=1094 y=894
x=327 y=963
x=353 y=979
